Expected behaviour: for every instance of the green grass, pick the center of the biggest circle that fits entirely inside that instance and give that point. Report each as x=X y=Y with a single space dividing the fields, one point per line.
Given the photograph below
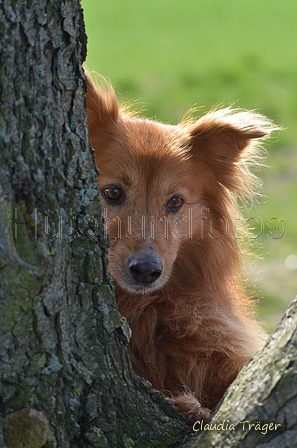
x=171 y=55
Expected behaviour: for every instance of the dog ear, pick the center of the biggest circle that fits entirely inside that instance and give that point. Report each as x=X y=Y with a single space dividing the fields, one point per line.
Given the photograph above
x=102 y=106
x=227 y=141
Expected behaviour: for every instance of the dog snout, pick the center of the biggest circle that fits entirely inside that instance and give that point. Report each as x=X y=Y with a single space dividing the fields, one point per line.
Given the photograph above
x=146 y=269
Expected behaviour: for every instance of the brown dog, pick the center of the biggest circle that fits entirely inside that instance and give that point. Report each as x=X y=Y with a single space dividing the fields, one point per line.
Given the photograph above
x=169 y=195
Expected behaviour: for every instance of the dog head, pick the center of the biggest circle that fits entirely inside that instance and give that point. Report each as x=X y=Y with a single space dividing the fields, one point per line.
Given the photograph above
x=167 y=191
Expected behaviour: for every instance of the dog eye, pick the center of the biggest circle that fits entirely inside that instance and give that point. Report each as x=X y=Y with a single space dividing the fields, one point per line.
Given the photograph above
x=113 y=194
x=174 y=204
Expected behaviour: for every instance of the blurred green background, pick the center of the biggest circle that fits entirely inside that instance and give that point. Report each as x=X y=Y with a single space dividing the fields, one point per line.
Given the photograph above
x=168 y=56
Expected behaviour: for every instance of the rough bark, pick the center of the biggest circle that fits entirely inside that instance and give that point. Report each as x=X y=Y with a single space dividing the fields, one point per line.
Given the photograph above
x=264 y=393
x=65 y=377
x=65 y=374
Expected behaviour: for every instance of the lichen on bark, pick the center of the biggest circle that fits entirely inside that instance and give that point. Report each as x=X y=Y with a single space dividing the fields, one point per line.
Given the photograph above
x=62 y=341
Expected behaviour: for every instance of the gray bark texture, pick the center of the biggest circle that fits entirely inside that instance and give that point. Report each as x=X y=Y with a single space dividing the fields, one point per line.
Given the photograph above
x=65 y=376
x=261 y=403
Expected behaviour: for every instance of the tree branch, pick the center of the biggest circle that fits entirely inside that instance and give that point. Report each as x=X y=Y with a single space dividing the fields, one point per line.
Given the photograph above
x=261 y=403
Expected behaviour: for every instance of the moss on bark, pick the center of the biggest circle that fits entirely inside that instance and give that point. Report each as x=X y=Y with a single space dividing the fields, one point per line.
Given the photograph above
x=62 y=340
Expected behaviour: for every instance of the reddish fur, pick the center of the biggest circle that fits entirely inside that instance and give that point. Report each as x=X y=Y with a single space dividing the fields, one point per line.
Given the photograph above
x=194 y=330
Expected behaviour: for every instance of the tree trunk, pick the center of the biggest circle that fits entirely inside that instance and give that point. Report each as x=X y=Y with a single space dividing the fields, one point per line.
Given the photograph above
x=62 y=341
x=66 y=379
x=261 y=404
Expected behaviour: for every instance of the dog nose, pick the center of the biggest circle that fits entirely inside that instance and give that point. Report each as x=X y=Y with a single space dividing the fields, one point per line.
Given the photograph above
x=146 y=269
